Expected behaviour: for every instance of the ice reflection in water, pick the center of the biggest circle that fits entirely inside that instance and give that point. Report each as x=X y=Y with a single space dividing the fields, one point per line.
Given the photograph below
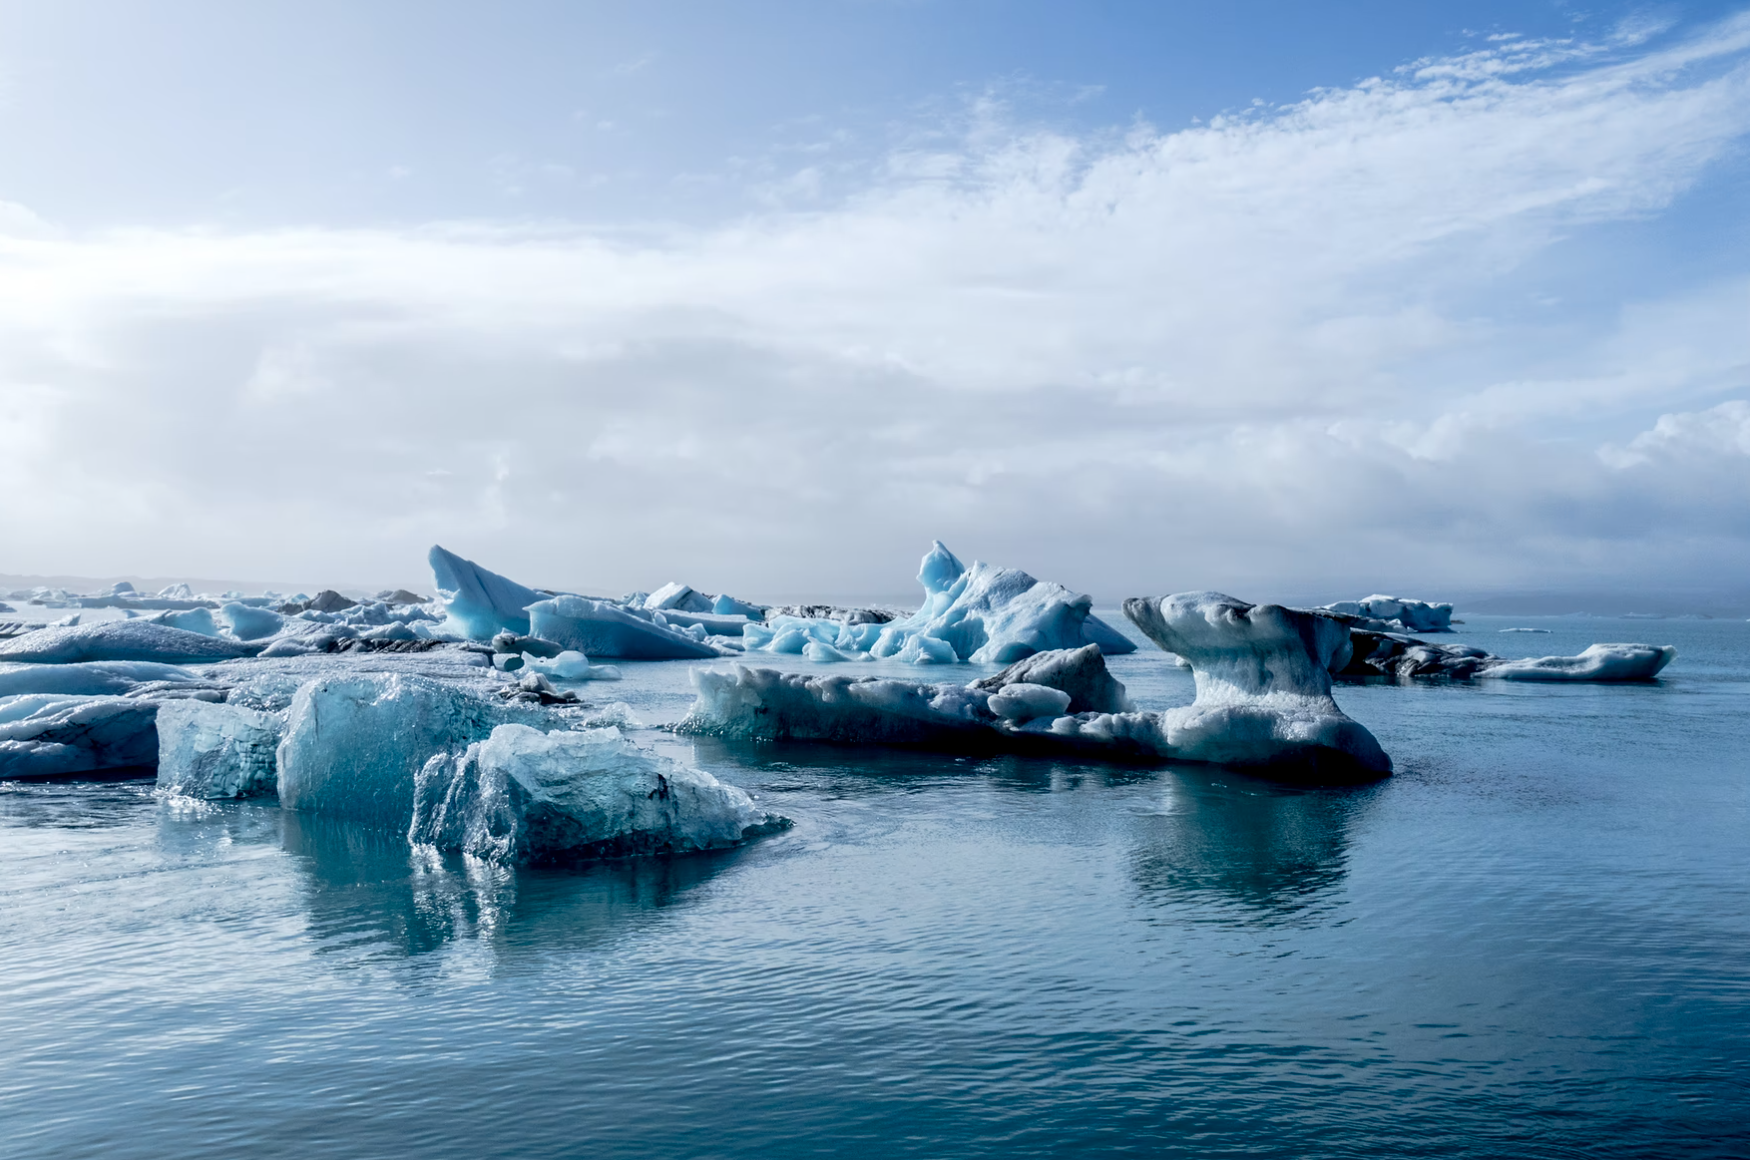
x=1228 y=847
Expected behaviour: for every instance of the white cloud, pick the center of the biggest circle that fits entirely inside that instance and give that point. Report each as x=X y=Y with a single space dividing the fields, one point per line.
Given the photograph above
x=1243 y=354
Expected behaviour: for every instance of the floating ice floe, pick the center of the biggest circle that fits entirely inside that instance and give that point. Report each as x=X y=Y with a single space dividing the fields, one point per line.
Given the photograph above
x=54 y=736
x=1390 y=614
x=216 y=751
x=525 y=794
x=1401 y=657
x=981 y=614
x=120 y=640
x=1600 y=662
x=1263 y=699
x=569 y=665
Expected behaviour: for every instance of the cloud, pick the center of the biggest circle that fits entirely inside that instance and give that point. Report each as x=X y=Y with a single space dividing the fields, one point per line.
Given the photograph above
x=1246 y=354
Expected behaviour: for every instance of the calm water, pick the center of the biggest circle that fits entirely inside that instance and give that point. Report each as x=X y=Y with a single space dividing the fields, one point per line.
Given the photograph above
x=1533 y=941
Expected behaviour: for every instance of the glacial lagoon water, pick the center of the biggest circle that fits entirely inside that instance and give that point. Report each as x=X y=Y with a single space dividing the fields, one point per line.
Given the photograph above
x=1533 y=941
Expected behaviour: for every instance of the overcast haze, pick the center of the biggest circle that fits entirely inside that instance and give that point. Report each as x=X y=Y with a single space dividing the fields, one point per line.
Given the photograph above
x=1138 y=297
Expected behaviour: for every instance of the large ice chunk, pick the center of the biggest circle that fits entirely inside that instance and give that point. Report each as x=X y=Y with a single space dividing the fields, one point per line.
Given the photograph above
x=1080 y=673
x=88 y=678
x=602 y=628
x=250 y=623
x=1600 y=662
x=120 y=640
x=1263 y=676
x=768 y=705
x=191 y=620
x=216 y=751
x=53 y=736
x=527 y=795
x=480 y=603
x=353 y=743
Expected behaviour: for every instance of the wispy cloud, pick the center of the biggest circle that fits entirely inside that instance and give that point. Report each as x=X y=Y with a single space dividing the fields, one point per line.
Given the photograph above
x=1247 y=353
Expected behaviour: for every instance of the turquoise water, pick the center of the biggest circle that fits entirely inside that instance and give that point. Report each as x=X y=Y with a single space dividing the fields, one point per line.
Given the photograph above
x=1533 y=941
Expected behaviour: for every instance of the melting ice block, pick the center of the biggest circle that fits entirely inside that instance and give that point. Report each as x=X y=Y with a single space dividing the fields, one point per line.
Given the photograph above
x=602 y=628
x=352 y=744
x=522 y=794
x=216 y=751
x=1263 y=699
x=480 y=603
x=50 y=736
x=1600 y=662
x=1263 y=676
x=120 y=640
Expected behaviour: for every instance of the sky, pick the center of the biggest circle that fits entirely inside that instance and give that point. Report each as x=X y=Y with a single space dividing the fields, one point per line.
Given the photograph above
x=1274 y=298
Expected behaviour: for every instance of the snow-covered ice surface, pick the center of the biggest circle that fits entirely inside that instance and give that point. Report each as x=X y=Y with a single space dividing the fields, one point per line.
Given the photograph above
x=90 y=678
x=1599 y=662
x=524 y=794
x=119 y=640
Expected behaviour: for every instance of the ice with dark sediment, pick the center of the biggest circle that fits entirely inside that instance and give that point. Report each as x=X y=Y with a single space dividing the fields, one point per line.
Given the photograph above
x=1402 y=657
x=1263 y=698
x=50 y=735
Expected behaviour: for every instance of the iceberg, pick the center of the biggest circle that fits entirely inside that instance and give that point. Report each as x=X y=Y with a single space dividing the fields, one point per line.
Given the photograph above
x=601 y=628
x=980 y=614
x=1263 y=675
x=353 y=743
x=1600 y=662
x=569 y=665
x=216 y=751
x=249 y=623
x=679 y=597
x=1390 y=614
x=480 y=604
x=1401 y=657
x=120 y=640
x=190 y=620
x=525 y=795
x=1263 y=699
x=54 y=736
x=991 y=616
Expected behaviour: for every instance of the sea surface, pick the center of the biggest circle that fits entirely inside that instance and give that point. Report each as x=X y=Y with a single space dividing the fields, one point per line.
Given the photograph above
x=1532 y=941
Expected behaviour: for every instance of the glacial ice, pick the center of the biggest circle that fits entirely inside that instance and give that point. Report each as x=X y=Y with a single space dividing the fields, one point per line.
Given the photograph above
x=53 y=736
x=1390 y=614
x=569 y=665
x=1401 y=657
x=216 y=750
x=249 y=623
x=1600 y=662
x=87 y=678
x=353 y=743
x=1263 y=675
x=190 y=620
x=601 y=628
x=679 y=597
x=1263 y=699
x=726 y=605
x=480 y=603
x=120 y=640
x=981 y=614
x=522 y=794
